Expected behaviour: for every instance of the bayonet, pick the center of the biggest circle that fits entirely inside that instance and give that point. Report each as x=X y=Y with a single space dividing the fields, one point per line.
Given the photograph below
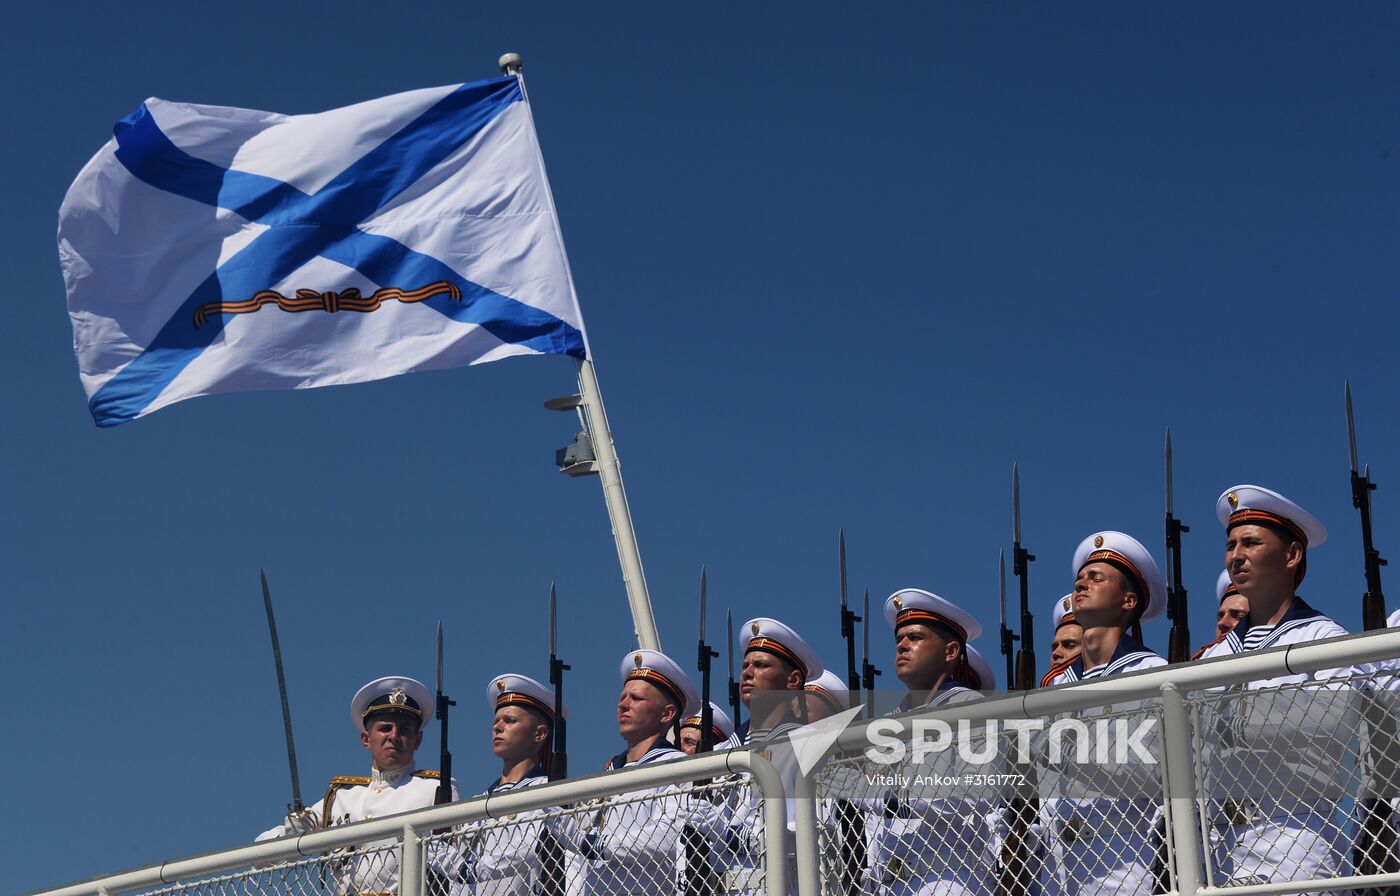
x=848 y=622
x=559 y=755
x=444 y=788
x=1374 y=851
x=296 y=805
x=705 y=654
x=1179 y=640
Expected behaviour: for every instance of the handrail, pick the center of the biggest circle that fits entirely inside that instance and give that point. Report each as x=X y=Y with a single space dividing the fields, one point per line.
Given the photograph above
x=492 y=806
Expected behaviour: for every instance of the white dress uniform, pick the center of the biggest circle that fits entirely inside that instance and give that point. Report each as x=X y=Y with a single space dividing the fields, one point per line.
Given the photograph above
x=1102 y=846
x=373 y=867
x=930 y=838
x=507 y=859
x=629 y=845
x=1277 y=824
x=744 y=835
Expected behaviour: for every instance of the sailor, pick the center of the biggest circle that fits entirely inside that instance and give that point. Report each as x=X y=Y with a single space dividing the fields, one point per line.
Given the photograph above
x=776 y=660
x=721 y=729
x=1067 y=640
x=1106 y=845
x=630 y=844
x=390 y=714
x=1277 y=826
x=509 y=860
x=1233 y=607
x=931 y=837
x=827 y=695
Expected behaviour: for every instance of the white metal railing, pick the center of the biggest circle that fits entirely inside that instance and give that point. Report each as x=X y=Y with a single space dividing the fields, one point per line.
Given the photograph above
x=307 y=864
x=1209 y=782
x=1253 y=767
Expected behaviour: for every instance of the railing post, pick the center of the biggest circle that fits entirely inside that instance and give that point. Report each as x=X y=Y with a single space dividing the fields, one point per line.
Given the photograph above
x=805 y=818
x=1182 y=798
x=411 y=864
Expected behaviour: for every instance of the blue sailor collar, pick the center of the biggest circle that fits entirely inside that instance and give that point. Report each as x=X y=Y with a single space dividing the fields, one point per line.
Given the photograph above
x=1300 y=611
x=940 y=695
x=659 y=748
x=1128 y=651
x=537 y=771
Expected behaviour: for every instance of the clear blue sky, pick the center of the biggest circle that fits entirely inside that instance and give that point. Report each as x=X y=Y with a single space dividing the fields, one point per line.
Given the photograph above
x=839 y=267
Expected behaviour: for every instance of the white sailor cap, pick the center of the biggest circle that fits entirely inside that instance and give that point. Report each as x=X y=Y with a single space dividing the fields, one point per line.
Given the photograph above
x=1126 y=554
x=511 y=689
x=1064 y=611
x=660 y=671
x=981 y=675
x=909 y=606
x=721 y=727
x=829 y=687
x=771 y=636
x=1224 y=586
x=392 y=695
x=1253 y=505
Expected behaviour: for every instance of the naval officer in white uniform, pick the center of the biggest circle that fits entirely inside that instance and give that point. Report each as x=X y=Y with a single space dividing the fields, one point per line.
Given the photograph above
x=390 y=714
x=1106 y=845
x=1277 y=822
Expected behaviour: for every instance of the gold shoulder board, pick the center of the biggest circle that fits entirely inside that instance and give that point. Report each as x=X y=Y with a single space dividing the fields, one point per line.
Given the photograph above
x=428 y=773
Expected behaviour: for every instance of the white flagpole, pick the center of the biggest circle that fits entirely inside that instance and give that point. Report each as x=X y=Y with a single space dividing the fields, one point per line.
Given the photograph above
x=595 y=423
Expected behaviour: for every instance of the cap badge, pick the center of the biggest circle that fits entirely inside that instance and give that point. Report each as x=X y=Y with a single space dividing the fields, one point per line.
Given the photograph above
x=637 y=660
x=398 y=697
x=1064 y=604
x=755 y=628
x=1098 y=541
x=1234 y=500
x=501 y=685
x=898 y=602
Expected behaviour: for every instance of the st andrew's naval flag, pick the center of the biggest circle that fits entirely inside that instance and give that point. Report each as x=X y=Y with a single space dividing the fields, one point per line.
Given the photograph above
x=209 y=249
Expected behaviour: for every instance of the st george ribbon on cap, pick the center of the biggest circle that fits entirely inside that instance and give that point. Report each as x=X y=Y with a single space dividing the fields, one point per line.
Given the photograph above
x=392 y=695
x=1253 y=505
x=1127 y=555
x=660 y=671
x=721 y=726
x=1063 y=613
x=911 y=606
x=1225 y=586
x=772 y=636
x=831 y=689
x=980 y=674
x=512 y=689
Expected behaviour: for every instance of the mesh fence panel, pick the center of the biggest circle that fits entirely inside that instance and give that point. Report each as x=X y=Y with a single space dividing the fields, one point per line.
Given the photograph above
x=1299 y=778
x=372 y=868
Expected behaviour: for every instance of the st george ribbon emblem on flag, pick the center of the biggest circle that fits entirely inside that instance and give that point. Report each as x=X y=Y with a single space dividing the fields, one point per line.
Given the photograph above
x=209 y=249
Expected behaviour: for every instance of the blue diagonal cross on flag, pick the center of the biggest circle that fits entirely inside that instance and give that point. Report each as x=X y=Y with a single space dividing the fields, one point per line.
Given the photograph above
x=210 y=249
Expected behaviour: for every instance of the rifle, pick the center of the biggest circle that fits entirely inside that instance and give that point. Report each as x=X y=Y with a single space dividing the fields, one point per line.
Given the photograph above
x=848 y=622
x=1179 y=642
x=1017 y=876
x=1375 y=849
x=444 y=790
x=296 y=804
x=707 y=715
x=735 y=703
x=559 y=754
x=868 y=672
x=1008 y=638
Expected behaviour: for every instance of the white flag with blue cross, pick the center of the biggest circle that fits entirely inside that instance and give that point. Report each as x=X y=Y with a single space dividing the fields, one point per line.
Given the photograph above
x=210 y=249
